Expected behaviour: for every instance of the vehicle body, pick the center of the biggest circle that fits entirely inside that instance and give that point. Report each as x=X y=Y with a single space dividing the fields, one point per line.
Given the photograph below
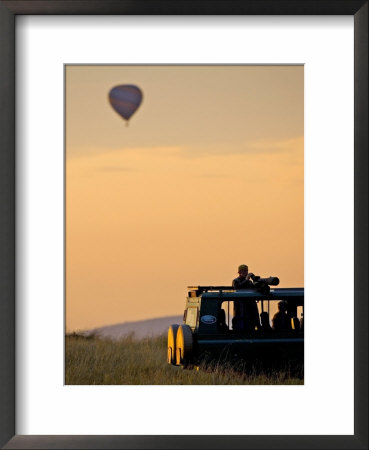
x=216 y=325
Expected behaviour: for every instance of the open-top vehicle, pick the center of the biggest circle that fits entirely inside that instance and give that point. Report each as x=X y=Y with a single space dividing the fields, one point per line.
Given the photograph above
x=219 y=323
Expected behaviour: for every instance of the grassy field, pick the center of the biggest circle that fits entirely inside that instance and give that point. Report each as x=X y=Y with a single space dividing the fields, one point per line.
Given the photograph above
x=92 y=360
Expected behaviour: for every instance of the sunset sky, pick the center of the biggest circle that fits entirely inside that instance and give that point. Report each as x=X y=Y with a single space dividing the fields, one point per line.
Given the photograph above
x=208 y=175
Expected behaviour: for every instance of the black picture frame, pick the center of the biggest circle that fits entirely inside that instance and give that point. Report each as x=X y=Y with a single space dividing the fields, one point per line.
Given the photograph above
x=8 y=12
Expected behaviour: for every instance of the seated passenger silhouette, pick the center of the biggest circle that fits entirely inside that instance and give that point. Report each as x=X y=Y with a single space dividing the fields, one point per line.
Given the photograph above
x=245 y=315
x=281 y=320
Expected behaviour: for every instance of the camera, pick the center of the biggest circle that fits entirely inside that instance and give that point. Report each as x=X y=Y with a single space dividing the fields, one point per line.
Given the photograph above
x=262 y=284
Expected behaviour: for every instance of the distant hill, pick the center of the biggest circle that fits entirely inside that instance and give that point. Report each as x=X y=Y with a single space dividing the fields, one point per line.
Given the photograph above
x=140 y=329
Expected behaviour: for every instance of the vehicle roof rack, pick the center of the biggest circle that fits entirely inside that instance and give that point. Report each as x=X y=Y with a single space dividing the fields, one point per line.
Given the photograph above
x=201 y=289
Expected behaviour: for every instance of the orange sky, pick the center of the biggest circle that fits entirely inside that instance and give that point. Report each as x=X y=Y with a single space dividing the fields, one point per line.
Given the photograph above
x=208 y=175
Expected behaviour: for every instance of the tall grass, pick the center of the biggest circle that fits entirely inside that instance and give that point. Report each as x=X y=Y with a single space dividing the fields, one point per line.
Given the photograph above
x=92 y=360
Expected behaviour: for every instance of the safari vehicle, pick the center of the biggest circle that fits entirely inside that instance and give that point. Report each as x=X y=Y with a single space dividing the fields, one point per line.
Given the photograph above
x=215 y=326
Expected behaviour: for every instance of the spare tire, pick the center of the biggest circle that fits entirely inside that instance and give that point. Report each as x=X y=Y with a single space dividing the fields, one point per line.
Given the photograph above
x=172 y=334
x=184 y=345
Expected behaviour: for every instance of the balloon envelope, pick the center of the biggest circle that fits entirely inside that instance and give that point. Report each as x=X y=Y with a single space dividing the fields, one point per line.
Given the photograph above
x=125 y=99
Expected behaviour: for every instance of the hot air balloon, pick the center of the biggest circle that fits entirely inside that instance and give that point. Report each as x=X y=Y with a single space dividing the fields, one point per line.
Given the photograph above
x=125 y=100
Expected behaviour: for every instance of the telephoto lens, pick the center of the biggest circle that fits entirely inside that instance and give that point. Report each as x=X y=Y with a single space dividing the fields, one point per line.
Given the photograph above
x=271 y=281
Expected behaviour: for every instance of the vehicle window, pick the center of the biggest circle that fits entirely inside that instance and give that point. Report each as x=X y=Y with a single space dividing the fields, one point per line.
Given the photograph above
x=269 y=307
x=228 y=311
x=274 y=310
x=233 y=308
